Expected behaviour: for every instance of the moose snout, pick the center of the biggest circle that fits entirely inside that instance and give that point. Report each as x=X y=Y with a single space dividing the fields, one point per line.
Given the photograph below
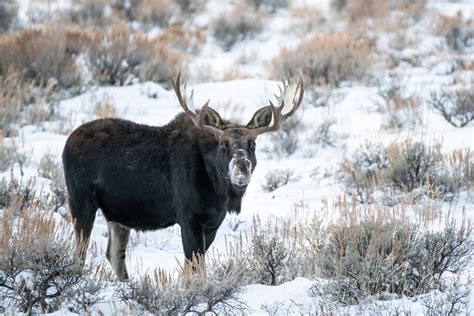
x=240 y=171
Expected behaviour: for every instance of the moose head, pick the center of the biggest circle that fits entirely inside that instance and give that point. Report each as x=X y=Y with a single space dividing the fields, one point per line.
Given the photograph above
x=235 y=156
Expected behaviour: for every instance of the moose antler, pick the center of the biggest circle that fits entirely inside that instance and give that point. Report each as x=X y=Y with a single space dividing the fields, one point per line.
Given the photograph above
x=184 y=100
x=291 y=94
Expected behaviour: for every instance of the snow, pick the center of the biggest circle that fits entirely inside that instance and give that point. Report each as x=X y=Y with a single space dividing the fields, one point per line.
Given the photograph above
x=354 y=107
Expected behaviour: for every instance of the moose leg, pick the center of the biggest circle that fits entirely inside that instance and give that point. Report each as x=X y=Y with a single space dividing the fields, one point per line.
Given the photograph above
x=193 y=242
x=116 y=248
x=83 y=216
x=196 y=240
x=209 y=237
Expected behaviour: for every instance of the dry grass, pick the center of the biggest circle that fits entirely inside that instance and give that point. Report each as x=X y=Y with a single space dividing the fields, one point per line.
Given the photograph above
x=401 y=110
x=194 y=290
x=377 y=10
x=119 y=56
x=180 y=39
x=325 y=59
x=11 y=100
x=78 y=40
x=412 y=8
x=40 y=55
x=105 y=109
x=89 y=12
x=356 y=10
x=362 y=9
x=233 y=73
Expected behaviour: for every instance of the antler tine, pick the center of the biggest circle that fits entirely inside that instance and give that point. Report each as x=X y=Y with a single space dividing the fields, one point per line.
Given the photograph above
x=291 y=93
x=294 y=98
x=180 y=90
x=184 y=100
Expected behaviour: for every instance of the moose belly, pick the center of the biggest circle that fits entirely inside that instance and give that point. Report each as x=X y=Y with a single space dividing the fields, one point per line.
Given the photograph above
x=136 y=209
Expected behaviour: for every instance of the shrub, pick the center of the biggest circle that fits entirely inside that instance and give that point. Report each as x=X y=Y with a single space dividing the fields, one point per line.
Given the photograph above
x=18 y=196
x=40 y=56
x=268 y=5
x=317 y=96
x=413 y=8
x=453 y=301
x=376 y=256
x=36 y=263
x=457 y=31
x=455 y=172
x=77 y=40
x=359 y=9
x=363 y=171
x=267 y=254
x=456 y=107
x=306 y=19
x=277 y=178
x=109 y=54
x=89 y=12
x=11 y=100
x=404 y=167
x=118 y=57
x=50 y=169
x=412 y=164
x=401 y=110
x=180 y=39
x=322 y=134
x=151 y=13
x=8 y=13
x=235 y=26
x=6 y=156
x=189 y=7
x=268 y=259
x=328 y=59
x=195 y=291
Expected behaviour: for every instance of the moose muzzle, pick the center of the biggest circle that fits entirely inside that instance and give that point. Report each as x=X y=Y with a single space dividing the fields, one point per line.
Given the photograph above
x=240 y=170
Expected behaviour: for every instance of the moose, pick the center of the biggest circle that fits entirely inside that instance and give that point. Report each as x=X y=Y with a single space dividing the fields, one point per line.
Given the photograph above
x=191 y=171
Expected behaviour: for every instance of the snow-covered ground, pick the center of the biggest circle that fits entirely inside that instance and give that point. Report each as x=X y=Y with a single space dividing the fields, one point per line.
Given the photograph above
x=353 y=107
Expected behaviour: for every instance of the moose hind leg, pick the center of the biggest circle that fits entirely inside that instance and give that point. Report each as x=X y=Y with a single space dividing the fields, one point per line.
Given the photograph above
x=83 y=215
x=116 y=248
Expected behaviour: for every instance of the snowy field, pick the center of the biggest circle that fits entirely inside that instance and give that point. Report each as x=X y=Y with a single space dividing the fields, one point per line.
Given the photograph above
x=351 y=109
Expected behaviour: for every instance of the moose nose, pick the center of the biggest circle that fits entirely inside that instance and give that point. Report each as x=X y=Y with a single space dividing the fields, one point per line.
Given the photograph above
x=240 y=170
x=243 y=164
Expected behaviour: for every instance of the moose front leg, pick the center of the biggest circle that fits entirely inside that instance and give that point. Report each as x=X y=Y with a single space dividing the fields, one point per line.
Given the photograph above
x=196 y=240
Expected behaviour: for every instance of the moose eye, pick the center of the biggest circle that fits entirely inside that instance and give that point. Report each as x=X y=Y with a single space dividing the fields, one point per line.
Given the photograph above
x=252 y=145
x=223 y=146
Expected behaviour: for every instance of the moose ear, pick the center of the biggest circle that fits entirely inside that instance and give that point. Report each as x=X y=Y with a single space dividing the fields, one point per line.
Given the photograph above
x=262 y=117
x=210 y=117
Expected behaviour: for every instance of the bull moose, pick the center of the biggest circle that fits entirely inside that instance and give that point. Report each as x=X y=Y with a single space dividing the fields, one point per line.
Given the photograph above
x=191 y=171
